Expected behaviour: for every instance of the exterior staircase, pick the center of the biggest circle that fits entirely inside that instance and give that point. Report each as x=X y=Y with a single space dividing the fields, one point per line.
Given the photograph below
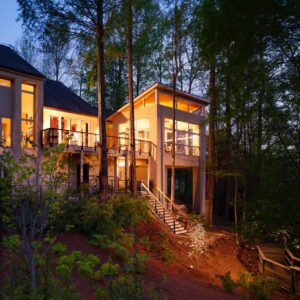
x=161 y=207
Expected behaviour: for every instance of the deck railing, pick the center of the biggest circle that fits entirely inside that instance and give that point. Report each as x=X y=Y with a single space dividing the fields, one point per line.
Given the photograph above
x=181 y=149
x=280 y=264
x=53 y=136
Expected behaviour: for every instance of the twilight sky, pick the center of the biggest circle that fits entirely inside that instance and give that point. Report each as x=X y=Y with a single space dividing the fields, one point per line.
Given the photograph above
x=10 y=29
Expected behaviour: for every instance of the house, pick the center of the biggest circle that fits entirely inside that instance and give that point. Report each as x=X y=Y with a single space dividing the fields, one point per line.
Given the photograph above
x=49 y=113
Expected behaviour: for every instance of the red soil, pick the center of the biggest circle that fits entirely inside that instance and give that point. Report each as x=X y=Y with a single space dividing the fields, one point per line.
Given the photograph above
x=177 y=280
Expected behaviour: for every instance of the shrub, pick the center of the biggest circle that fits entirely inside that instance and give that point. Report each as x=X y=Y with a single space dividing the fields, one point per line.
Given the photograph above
x=59 y=249
x=110 y=269
x=263 y=288
x=128 y=211
x=228 y=283
x=100 y=240
x=120 y=252
x=100 y=293
x=168 y=256
x=244 y=279
x=136 y=264
x=145 y=242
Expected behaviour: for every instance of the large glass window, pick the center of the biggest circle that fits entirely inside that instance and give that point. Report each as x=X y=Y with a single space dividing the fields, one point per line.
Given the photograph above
x=181 y=104
x=187 y=137
x=6 y=132
x=27 y=114
x=5 y=82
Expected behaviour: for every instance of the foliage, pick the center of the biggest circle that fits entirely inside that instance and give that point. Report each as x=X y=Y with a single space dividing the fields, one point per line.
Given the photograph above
x=168 y=256
x=263 y=288
x=228 y=283
x=108 y=218
x=59 y=248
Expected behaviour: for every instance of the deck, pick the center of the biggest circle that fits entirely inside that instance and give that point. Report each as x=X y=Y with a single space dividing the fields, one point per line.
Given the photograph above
x=278 y=262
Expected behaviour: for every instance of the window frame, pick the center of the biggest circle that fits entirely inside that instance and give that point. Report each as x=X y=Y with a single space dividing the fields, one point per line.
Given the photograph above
x=23 y=144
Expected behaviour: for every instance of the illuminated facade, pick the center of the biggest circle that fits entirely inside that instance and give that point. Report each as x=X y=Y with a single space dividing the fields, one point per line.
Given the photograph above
x=48 y=113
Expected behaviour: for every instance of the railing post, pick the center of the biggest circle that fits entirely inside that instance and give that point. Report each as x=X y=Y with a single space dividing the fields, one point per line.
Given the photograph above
x=81 y=139
x=164 y=216
x=174 y=225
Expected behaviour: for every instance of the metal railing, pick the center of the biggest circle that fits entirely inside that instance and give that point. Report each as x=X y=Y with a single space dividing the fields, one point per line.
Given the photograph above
x=181 y=149
x=53 y=136
x=119 y=143
x=167 y=204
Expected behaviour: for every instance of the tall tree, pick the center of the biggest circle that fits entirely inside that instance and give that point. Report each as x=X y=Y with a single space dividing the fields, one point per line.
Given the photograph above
x=85 y=20
x=130 y=99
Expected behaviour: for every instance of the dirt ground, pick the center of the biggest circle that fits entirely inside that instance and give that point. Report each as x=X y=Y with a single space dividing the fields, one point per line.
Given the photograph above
x=183 y=279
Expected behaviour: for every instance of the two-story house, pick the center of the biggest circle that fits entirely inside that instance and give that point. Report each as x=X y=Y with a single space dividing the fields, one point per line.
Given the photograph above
x=49 y=113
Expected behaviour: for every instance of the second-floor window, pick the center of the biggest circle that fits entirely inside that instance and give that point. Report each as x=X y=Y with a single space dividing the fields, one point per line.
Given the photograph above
x=5 y=131
x=27 y=114
x=187 y=137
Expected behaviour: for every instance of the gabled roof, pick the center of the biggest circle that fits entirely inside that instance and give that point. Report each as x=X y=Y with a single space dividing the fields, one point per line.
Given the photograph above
x=10 y=60
x=57 y=95
x=163 y=87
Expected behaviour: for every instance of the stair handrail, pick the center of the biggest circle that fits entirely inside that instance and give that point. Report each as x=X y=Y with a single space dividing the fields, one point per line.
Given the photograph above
x=170 y=207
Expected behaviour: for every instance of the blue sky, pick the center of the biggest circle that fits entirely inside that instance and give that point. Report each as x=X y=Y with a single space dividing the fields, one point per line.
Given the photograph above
x=10 y=29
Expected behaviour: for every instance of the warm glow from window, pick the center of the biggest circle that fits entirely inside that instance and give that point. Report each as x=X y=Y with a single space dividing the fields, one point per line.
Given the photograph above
x=166 y=100
x=27 y=108
x=27 y=133
x=6 y=132
x=182 y=105
x=149 y=100
x=27 y=88
x=5 y=82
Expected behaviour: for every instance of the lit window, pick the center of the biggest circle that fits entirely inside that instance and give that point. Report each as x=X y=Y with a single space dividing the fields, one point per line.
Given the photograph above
x=6 y=132
x=5 y=82
x=27 y=122
x=27 y=133
x=27 y=88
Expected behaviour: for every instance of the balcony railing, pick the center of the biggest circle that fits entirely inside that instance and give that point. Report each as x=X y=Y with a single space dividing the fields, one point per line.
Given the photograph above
x=74 y=139
x=182 y=149
x=119 y=144
x=53 y=136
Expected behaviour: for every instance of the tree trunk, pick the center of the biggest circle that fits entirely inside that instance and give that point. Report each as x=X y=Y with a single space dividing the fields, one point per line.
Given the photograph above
x=175 y=72
x=103 y=180
x=130 y=99
x=211 y=159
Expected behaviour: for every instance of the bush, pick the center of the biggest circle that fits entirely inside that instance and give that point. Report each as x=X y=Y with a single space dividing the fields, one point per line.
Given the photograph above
x=168 y=256
x=100 y=240
x=59 y=249
x=263 y=288
x=109 y=269
x=120 y=252
x=136 y=264
x=145 y=242
x=244 y=279
x=228 y=283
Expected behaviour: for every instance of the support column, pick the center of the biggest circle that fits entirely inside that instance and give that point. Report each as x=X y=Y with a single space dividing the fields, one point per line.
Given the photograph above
x=116 y=187
x=16 y=120
x=126 y=172
x=81 y=167
x=202 y=167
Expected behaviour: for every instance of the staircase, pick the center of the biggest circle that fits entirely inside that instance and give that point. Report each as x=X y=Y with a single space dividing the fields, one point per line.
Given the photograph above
x=162 y=209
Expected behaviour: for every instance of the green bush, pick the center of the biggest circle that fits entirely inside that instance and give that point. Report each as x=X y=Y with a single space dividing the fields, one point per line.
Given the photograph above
x=120 y=252
x=100 y=293
x=109 y=269
x=228 y=283
x=136 y=264
x=244 y=279
x=100 y=240
x=169 y=256
x=59 y=249
x=145 y=242
x=263 y=288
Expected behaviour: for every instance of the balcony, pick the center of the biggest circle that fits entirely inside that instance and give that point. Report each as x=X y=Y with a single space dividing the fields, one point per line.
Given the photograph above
x=182 y=149
x=76 y=140
x=119 y=144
